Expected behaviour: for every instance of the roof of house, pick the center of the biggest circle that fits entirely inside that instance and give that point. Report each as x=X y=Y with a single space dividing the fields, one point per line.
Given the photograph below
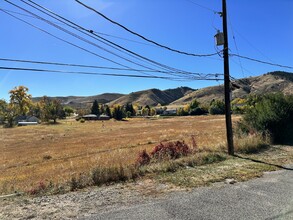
x=90 y=116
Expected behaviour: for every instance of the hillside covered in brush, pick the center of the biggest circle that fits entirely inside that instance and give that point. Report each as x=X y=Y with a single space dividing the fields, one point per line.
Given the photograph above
x=153 y=97
x=267 y=83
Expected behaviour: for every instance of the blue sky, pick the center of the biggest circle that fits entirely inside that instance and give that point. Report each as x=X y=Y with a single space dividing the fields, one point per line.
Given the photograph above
x=263 y=29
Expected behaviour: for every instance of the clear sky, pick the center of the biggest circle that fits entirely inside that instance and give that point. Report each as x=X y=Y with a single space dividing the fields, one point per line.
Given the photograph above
x=263 y=29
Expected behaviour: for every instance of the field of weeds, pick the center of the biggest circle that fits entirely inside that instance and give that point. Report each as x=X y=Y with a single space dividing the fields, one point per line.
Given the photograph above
x=55 y=153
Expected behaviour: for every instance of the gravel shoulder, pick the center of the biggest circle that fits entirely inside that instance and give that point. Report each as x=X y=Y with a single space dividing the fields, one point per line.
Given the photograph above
x=268 y=197
x=83 y=203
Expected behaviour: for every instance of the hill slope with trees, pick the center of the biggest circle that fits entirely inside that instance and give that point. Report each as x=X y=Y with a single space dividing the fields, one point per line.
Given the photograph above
x=267 y=83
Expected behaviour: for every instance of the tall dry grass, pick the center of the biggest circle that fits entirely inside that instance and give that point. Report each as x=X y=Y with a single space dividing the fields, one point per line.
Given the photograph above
x=56 y=153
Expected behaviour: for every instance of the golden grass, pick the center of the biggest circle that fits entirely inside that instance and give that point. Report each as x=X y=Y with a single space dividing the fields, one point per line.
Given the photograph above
x=76 y=147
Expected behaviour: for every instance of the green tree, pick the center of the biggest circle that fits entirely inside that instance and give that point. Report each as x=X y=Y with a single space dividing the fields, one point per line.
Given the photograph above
x=153 y=112
x=108 y=111
x=95 y=108
x=36 y=110
x=145 y=111
x=194 y=104
x=10 y=115
x=129 y=108
x=68 y=111
x=51 y=109
x=20 y=99
x=217 y=107
x=181 y=112
x=118 y=112
x=273 y=113
x=3 y=109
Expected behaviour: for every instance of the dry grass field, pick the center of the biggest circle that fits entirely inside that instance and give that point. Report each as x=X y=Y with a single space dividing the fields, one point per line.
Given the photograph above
x=31 y=154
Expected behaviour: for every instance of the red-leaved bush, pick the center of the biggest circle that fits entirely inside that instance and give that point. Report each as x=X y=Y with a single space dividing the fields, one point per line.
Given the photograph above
x=143 y=158
x=170 y=150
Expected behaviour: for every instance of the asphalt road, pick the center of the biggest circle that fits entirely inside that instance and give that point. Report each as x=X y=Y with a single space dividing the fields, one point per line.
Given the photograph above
x=269 y=197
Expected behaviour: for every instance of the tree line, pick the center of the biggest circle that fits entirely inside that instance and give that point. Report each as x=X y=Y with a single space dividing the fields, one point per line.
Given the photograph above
x=21 y=105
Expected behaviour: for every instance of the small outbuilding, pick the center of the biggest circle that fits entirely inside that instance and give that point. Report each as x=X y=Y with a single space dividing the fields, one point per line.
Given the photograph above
x=104 y=117
x=27 y=120
x=90 y=117
x=170 y=112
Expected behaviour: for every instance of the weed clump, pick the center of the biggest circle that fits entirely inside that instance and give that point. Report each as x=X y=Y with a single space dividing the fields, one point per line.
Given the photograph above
x=102 y=175
x=143 y=158
x=38 y=190
x=251 y=143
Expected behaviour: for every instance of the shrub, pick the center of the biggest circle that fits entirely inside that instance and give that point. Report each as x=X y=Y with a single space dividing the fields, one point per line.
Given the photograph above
x=273 y=114
x=143 y=158
x=82 y=120
x=217 y=107
x=170 y=150
x=80 y=182
x=197 y=111
x=215 y=110
x=39 y=189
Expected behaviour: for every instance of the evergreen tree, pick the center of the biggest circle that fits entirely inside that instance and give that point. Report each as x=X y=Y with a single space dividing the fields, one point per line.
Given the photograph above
x=95 y=108
x=118 y=112
x=107 y=111
x=129 y=108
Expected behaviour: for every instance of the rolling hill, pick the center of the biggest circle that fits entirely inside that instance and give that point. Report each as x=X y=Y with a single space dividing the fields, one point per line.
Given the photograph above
x=83 y=101
x=267 y=83
x=153 y=97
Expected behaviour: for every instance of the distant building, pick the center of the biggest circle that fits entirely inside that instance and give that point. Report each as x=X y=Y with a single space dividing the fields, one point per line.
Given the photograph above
x=104 y=117
x=170 y=112
x=27 y=120
x=90 y=117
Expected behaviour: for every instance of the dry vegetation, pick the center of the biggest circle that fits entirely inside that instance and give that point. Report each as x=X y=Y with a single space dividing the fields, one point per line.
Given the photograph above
x=57 y=152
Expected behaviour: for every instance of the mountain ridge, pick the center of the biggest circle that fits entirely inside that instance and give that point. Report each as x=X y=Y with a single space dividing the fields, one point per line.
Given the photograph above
x=277 y=81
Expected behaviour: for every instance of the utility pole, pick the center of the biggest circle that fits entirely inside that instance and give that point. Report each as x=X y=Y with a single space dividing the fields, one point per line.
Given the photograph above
x=227 y=83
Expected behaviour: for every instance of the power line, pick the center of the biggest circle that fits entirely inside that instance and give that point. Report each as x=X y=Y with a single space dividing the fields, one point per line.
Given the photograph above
x=65 y=41
x=142 y=37
x=100 y=74
x=101 y=33
x=255 y=48
x=237 y=50
x=202 y=77
x=237 y=63
x=89 y=32
x=202 y=6
x=260 y=61
x=75 y=35
x=92 y=66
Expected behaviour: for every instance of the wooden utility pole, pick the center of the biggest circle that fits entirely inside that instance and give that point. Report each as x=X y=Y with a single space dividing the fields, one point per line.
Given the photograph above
x=227 y=83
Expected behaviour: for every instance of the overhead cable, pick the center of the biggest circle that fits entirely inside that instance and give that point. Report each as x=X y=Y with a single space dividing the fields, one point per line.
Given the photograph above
x=100 y=39
x=142 y=37
x=102 y=74
x=92 y=66
x=260 y=61
x=77 y=36
x=90 y=33
x=101 y=33
x=70 y=43
x=202 y=6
